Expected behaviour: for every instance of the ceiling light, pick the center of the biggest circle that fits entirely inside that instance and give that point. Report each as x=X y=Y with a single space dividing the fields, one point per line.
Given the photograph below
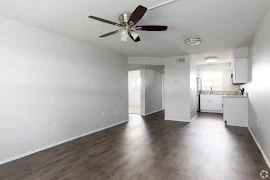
x=134 y=35
x=211 y=59
x=124 y=35
x=124 y=38
x=124 y=32
x=193 y=41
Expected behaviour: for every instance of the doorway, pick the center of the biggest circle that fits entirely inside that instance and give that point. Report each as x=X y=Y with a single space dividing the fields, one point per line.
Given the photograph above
x=134 y=91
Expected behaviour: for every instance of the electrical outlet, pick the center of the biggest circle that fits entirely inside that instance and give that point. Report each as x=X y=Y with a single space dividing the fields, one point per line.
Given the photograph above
x=103 y=114
x=114 y=111
x=55 y=124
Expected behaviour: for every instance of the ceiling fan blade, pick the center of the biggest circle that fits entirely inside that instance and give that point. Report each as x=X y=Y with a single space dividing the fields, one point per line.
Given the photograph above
x=137 y=15
x=110 y=33
x=151 y=28
x=104 y=20
x=135 y=40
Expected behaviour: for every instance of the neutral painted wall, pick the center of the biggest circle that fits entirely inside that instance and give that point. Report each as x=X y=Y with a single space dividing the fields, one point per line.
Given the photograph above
x=177 y=89
x=146 y=60
x=46 y=78
x=193 y=89
x=134 y=95
x=226 y=70
x=142 y=73
x=259 y=87
x=153 y=91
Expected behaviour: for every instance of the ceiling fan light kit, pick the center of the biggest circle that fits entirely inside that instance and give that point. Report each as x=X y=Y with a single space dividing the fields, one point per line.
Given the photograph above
x=134 y=35
x=124 y=35
x=128 y=22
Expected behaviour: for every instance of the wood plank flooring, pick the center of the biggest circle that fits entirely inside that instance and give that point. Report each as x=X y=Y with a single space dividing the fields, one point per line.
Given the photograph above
x=148 y=148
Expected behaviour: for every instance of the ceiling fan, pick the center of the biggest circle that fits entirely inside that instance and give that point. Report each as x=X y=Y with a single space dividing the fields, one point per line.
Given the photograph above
x=127 y=24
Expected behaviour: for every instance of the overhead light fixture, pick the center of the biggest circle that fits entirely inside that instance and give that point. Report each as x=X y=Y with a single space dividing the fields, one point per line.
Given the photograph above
x=193 y=41
x=124 y=35
x=211 y=59
x=124 y=38
x=134 y=35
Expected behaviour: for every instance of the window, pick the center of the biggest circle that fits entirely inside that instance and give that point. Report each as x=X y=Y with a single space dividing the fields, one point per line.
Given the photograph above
x=211 y=80
x=135 y=83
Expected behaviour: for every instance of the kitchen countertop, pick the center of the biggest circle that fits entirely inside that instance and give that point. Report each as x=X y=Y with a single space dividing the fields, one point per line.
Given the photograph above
x=222 y=94
x=234 y=96
x=230 y=93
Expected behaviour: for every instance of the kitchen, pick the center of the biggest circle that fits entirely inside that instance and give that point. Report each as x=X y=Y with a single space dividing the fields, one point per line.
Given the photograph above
x=220 y=88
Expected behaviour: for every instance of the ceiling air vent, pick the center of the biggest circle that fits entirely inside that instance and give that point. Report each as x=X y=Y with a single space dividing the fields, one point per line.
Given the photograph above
x=181 y=60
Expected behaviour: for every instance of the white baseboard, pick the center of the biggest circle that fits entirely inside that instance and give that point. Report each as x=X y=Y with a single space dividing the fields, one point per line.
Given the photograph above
x=174 y=119
x=259 y=146
x=194 y=118
x=153 y=112
x=55 y=144
x=209 y=111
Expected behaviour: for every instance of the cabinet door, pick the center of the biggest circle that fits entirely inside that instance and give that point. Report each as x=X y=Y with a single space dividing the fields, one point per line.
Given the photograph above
x=205 y=102
x=241 y=70
x=216 y=103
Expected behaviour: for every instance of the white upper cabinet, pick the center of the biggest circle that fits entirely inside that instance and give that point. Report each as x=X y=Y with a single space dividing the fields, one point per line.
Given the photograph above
x=240 y=71
x=240 y=66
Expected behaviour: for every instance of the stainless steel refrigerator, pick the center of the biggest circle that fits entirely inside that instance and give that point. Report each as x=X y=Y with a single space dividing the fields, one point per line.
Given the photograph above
x=199 y=88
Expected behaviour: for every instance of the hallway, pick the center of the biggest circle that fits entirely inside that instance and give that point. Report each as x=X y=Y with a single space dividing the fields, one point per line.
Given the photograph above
x=148 y=148
x=134 y=109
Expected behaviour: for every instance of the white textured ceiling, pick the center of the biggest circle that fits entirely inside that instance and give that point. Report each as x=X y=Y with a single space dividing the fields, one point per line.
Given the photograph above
x=221 y=24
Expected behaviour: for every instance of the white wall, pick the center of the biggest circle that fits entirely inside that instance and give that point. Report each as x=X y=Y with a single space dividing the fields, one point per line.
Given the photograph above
x=193 y=89
x=226 y=70
x=46 y=78
x=259 y=87
x=153 y=91
x=142 y=73
x=146 y=60
x=134 y=95
x=177 y=89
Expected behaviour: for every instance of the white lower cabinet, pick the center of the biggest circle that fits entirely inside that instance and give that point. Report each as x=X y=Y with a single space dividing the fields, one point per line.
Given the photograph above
x=236 y=111
x=211 y=103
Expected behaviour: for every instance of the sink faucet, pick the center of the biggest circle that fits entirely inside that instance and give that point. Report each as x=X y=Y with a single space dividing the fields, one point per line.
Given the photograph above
x=211 y=92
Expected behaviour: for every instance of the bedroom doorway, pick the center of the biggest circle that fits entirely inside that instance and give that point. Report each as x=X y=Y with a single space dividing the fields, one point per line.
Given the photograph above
x=134 y=92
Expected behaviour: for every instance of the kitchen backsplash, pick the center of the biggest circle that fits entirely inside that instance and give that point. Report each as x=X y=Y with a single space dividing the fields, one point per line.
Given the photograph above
x=221 y=92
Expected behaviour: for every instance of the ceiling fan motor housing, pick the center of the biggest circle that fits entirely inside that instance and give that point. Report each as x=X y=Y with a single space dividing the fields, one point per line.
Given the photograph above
x=124 y=18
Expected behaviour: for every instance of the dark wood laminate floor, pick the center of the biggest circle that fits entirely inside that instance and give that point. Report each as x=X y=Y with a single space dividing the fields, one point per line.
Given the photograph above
x=148 y=148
